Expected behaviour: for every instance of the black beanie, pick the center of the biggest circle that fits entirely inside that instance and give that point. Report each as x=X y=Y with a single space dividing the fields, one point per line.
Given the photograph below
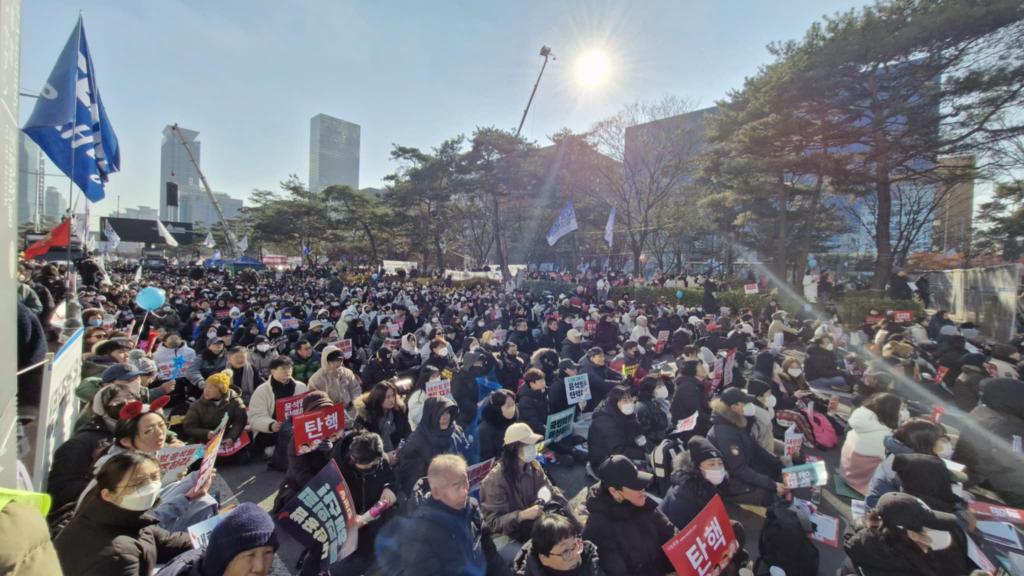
x=757 y=388
x=245 y=528
x=702 y=449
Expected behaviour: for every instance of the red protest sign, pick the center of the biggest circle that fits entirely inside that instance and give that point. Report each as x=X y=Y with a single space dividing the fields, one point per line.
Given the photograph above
x=500 y=335
x=392 y=343
x=221 y=313
x=285 y=408
x=589 y=326
x=940 y=375
x=750 y=289
x=937 y=412
x=312 y=428
x=902 y=316
x=986 y=511
x=209 y=458
x=346 y=347
x=706 y=545
x=873 y=318
x=235 y=446
x=662 y=340
x=478 y=472
x=148 y=344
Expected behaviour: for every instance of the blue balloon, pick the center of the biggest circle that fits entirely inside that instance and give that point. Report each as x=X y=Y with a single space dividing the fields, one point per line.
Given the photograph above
x=150 y=298
x=679 y=294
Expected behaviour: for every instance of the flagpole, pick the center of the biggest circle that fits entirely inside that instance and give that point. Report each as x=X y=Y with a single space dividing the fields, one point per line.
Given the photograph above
x=72 y=312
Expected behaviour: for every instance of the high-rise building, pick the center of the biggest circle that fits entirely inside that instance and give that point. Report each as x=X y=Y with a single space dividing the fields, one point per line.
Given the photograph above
x=955 y=209
x=140 y=213
x=333 y=153
x=31 y=181
x=197 y=208
x=53 y=204
x=176 y=167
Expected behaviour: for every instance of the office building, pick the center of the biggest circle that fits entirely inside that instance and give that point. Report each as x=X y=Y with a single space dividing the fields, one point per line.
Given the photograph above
x=197 y=208
x=139 y=213
x=31 y=180
x=955 y=210
x=53 y=204
x=333 y=153
x=176 y=167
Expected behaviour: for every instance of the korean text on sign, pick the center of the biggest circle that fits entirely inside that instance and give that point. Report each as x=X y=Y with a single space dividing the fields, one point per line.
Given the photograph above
x=559 y=425
x=706 y=545
x=577 y=389
x=323 y=516
x=309 y=430
x=285 y=408
x=439 y=388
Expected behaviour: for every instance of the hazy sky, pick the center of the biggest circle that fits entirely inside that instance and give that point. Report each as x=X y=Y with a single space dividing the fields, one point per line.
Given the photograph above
x=248 y=75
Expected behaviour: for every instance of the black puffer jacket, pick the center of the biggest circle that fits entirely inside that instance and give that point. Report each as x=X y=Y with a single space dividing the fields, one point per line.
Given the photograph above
x=491 y=432
x=464 y=387
x=748 y=464
x=366 y=488
x=985 y=444
x=820 y=363
x=428 y=440
x=601 y=380
x=612 y=432
x=628 y=537
x=869 y=551
x=533 y=408
x=689 y=398
x=689 y=494
x=71 y=470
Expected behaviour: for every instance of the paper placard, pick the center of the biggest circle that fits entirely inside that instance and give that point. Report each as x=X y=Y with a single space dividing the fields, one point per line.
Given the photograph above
x=236 y=446
x=805 y=475
x=477 y=472
x=902 y=316
x=986 y=511
x=1001 y=533
x=312 y=428
x=199 y=533
x=706 y=545
x=659 y=345
x=858 y=509
x=500 y=335
x=940 y=375
x=285 y=408
x=345 y=346
x=750 y=289
x=794 y=441
x=439 y=388
x=174 y=460
x=289 y=324
x=322 y=514
x=688 y=423
x=559 y=425
x=209 y=458
x=577 y=389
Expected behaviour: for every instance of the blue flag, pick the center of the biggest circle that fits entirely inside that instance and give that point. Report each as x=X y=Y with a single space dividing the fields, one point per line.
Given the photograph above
x=69 y=118
x=565 y=223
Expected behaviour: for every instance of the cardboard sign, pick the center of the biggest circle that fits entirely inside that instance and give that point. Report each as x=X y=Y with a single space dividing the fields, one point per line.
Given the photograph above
x=794 y=441
x=285 y=408
x=706 y=545
x=986 y=511
x=663 y=335
x=477 y=473
x=312 y=428
x=235 y=447
x=577 y=389
x=323 y=515
x=346 y=347
x=439 y=388
x=176 y=459
x=209 y=458
x=392 y=343
x=500 y=335
x=750 y=289
x=199 y=533
x=805 y=475
x=940 y=375
x=559 y=425
x=289 y=324
x=688 y=423
x=902 y=316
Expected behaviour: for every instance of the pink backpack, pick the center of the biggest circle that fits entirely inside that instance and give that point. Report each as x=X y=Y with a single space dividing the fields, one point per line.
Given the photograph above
x=824 y=433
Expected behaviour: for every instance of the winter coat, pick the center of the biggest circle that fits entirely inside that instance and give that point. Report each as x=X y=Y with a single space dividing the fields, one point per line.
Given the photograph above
x=204 y=415
x=27 y=550
x=166 y=358
x=95 y=365
x=748 y=464
x=869 y=551
x=510 y=371
x=985 y=444
x=501 y=501
x=264 y=399
x=689 y=398
x=204 y=365
x=245 y=381
x=612 y=432
x=629 y=538
x=261 y=362
x=376 y=371
x=428 y=440
x=606 y=335
x=601 y=380
x=572 y=350
x=71 y=470
x=762 y=429
x=366 y=488
x=884 y=480
x=304 y=369
x=302 y=467
x=689 y=494
x=407 y=364
x=820 y=363
x=491 y=432
x=653 y=416
x=395 y=432
x=967 y=387
x=340 y=384
x=863 y=449
x=105 y=540
x=533 y=408
x=527 y=564
x=524 y=342
x=465 y=389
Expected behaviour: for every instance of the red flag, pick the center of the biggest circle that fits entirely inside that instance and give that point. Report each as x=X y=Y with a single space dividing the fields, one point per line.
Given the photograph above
x=56 y=238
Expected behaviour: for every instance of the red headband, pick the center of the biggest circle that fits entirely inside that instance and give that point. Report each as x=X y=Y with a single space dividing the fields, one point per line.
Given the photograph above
x=134 y=409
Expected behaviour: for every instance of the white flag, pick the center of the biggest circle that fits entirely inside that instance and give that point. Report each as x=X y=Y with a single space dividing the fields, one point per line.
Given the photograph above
x=168 y=239
x=609 y=228
x=209 y=243
x=138 y=274
x=565 y=223
x=112 y=238
x=244 y=244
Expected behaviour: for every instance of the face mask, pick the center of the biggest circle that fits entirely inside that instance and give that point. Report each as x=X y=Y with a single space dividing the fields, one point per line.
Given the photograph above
x=715 y=477
x=529 y=452
x=661 y=392
x=442 y=352
x=95 y=322
x=769 y=401
x=263 y=347
x=829 y=346
x=627 y=409
x=795 y=372
x=142 y=499
x=748 y=409
x=946 y=451
x=904 y=415
x=940 y=539
x=211 y=334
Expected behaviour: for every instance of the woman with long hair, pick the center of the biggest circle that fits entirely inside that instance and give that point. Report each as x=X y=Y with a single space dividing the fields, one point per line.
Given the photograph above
x=382 y=411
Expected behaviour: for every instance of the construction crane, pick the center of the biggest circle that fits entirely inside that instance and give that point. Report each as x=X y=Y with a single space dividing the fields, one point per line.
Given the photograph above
x=232 y=247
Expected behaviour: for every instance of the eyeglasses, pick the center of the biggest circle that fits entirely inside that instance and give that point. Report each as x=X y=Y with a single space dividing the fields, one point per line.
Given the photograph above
x=568 y=555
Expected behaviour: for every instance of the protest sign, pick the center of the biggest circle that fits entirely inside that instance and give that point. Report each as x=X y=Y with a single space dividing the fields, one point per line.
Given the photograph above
x=289 y=324
x=477 y=473
x=750 y=289
x=577 y=389
x=312 y=428
x=199 y=533
x=147 y=344
x=718 y=373
x=285 y=408
x=902 y=316
x=439 y=388
x=777 y=342
x=688 y=423
x=857 y=509
x=826 y=528
x=559 y=425
x=986 y=511
x=940 y=375
x=346 y=347
x=805 y=475
x=975 y=554
x=209 y=458
x=730 y=365
x=221 y=313
x=873 y=318
x=394 y=330
x=500 y=335
x=323 y=515
x=176 y=459
x=235 y=447
x=794 y=441
x=659 y=346
x=392 y=343
x=706 y=545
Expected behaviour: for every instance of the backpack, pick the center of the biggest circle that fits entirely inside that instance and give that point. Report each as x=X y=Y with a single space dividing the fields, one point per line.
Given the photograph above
x=663 y=456
x=784 y=543
x=825 y=435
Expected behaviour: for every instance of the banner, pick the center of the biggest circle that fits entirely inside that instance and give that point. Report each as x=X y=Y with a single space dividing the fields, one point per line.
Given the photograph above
x=345 y=346
x=58 y=409
x=209 y=458
x=174 y=460
x=323 y=515
x=577 y=389
x=750 y=289
x=609 y=228
x=439 y=388
x=902 y=316
x=312 y=428
x=659 y=345
x=477 y=473
x=559 y=425
x=199 y=533
x=805 y=475
x=285 y=408
x=565 y=223
x=706 y=545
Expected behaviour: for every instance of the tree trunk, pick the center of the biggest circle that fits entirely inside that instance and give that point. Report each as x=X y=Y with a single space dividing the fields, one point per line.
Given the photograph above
x=371 y=240
x=498 y=246
x=782 y=199
x=883 y=242
x=811 y=220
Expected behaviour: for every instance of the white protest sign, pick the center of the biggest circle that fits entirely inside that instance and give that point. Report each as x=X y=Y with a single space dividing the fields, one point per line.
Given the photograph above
x=688 y=423
x=174 y=460
x=438 y=388
x=577 y=389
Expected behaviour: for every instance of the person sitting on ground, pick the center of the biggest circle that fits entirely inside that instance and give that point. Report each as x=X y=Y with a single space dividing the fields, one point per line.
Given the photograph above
x=695 y=481
x=533 y=400
x=336 y=380
x=371 y=480
x=821 y=366
x=754 y=473
x=498 y=413
x=652 y=408
x=987 y=439
x=615 y=429
x=438 y=433
x=764 y=414
x=243 y=544
x=205 y=414
x=510 y=495
x=555 y=549
x=600 y=377
x=864 y=447
x=382 y=411
x=262 y=420
x=915 y=436
x=625 y=525
x=305 y=462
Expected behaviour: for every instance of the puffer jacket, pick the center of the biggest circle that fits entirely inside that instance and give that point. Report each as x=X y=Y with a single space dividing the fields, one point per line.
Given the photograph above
x=204 y=416
x=27 y=549
x=601 y=380
x=863 y=449
x=748 y=464
x=689 y=494
x=628 y=537
x=341 y=385
x=501 y=501
x=533 y=408
x=428 y=440
x=612 y=432
x=527 y=563
x=303 y=370
x=885 y=480
x=491 y=432
x=985 y=444
x=967 y=387
x=167 y=358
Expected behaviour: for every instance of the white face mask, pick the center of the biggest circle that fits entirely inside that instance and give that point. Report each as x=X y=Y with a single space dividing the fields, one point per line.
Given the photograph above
x=143 y=498
x=210 y=335
x=769 y=401
x=946 y=451
x=830 y=346
x=904 y=415
x=940 y=539
x=529 y=452
x=716 y=476
x=661 y=392
x=627 y=409
x=795 y=372
x=442 y=352
x=748 y=409
x=263 y=347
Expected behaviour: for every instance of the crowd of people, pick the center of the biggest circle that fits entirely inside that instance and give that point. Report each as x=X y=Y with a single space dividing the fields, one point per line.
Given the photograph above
x=685 y=404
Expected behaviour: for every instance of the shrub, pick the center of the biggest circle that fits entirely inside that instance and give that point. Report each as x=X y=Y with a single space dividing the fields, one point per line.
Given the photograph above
x=853 y=307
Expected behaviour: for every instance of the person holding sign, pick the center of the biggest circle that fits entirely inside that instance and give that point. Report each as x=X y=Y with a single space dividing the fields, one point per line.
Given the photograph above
x=243 y=544
x=280 y=385
x=382 y=411
x=303 y=465
x=509 y=494
x=694 y=482
x=754 y=473
x=373 y=486
x=626 y=525
x=205 y=414
x=615 y=429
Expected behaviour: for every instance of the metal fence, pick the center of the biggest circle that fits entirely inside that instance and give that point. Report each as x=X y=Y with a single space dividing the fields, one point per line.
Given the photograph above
x=988 y=297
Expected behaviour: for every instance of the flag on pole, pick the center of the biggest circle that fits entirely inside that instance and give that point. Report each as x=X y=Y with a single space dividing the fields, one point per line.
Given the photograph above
x=69 y=118
x=609 y=228
x=209 y=243
x=162 y=230
x=244 y=244
x=59 y=237
x=113 y=240
x=306 y=250
x=565 y=223
x=138 y=274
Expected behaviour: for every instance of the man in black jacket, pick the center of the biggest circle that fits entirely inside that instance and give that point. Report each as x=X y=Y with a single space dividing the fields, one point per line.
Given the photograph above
x=370 y=480
x=754 y=473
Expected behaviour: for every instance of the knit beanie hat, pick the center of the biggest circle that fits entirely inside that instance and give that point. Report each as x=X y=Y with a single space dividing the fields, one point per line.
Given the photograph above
x=220 y=380
x=245 y=528
x=757 y=388
x=702 y=449
x=316 y=400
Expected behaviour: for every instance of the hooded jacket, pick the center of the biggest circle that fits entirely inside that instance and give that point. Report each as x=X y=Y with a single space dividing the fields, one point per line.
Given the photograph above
x=399 y=428
x=869 y=551
x=428 y=440
x=748 y=464
x=464 y=384
x=986 y=439
x=628 y=537
x=612 y=432
x=967 y=387
x=204 y=416
x=527 y=563
x=863 y=448
x=689 y=494
x=340 y=384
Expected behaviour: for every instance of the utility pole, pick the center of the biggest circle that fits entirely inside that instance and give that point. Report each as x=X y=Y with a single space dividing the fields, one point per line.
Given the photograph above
x=209 y=192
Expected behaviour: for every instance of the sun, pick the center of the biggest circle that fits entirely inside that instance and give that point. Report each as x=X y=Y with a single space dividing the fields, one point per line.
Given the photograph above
x=592 y=68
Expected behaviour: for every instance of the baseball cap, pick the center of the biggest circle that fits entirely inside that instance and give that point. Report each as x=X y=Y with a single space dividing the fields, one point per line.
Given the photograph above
x=735 y=396
x=907 y=512
x=567 y=364
x=521 y=432
x=120 y=372
x=617 y=471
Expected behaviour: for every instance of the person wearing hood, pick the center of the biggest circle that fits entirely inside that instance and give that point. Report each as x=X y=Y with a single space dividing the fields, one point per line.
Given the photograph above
x=263 y=404
x=523 y=338
x=950 y=354
x=573 y=347
x=243 y=544
x=438 y=433
x=340 y=384
x=864 y=447
x=600 y=377
x=407 y=358
x=533 y=400
x=556 y=549
x=625 y=525
x=652 y=408
x=275 y=334
x=382 y=411
x=205 y=414
x=379 y=368
x=498 y=413
x=440 y=357
x=689 y=396
x=695 y=481
x=304 y=361
x=171 y=356
x=987 y=440
x=900 y=537
x=113 y=531
x=263 y=352
x=246 y=334
x=967 y=386
x=465 y=389
x=915 y=436
x=936 y=322
x=511 y=366
x=210 y=361
x=754 y=473
x=615 y=429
